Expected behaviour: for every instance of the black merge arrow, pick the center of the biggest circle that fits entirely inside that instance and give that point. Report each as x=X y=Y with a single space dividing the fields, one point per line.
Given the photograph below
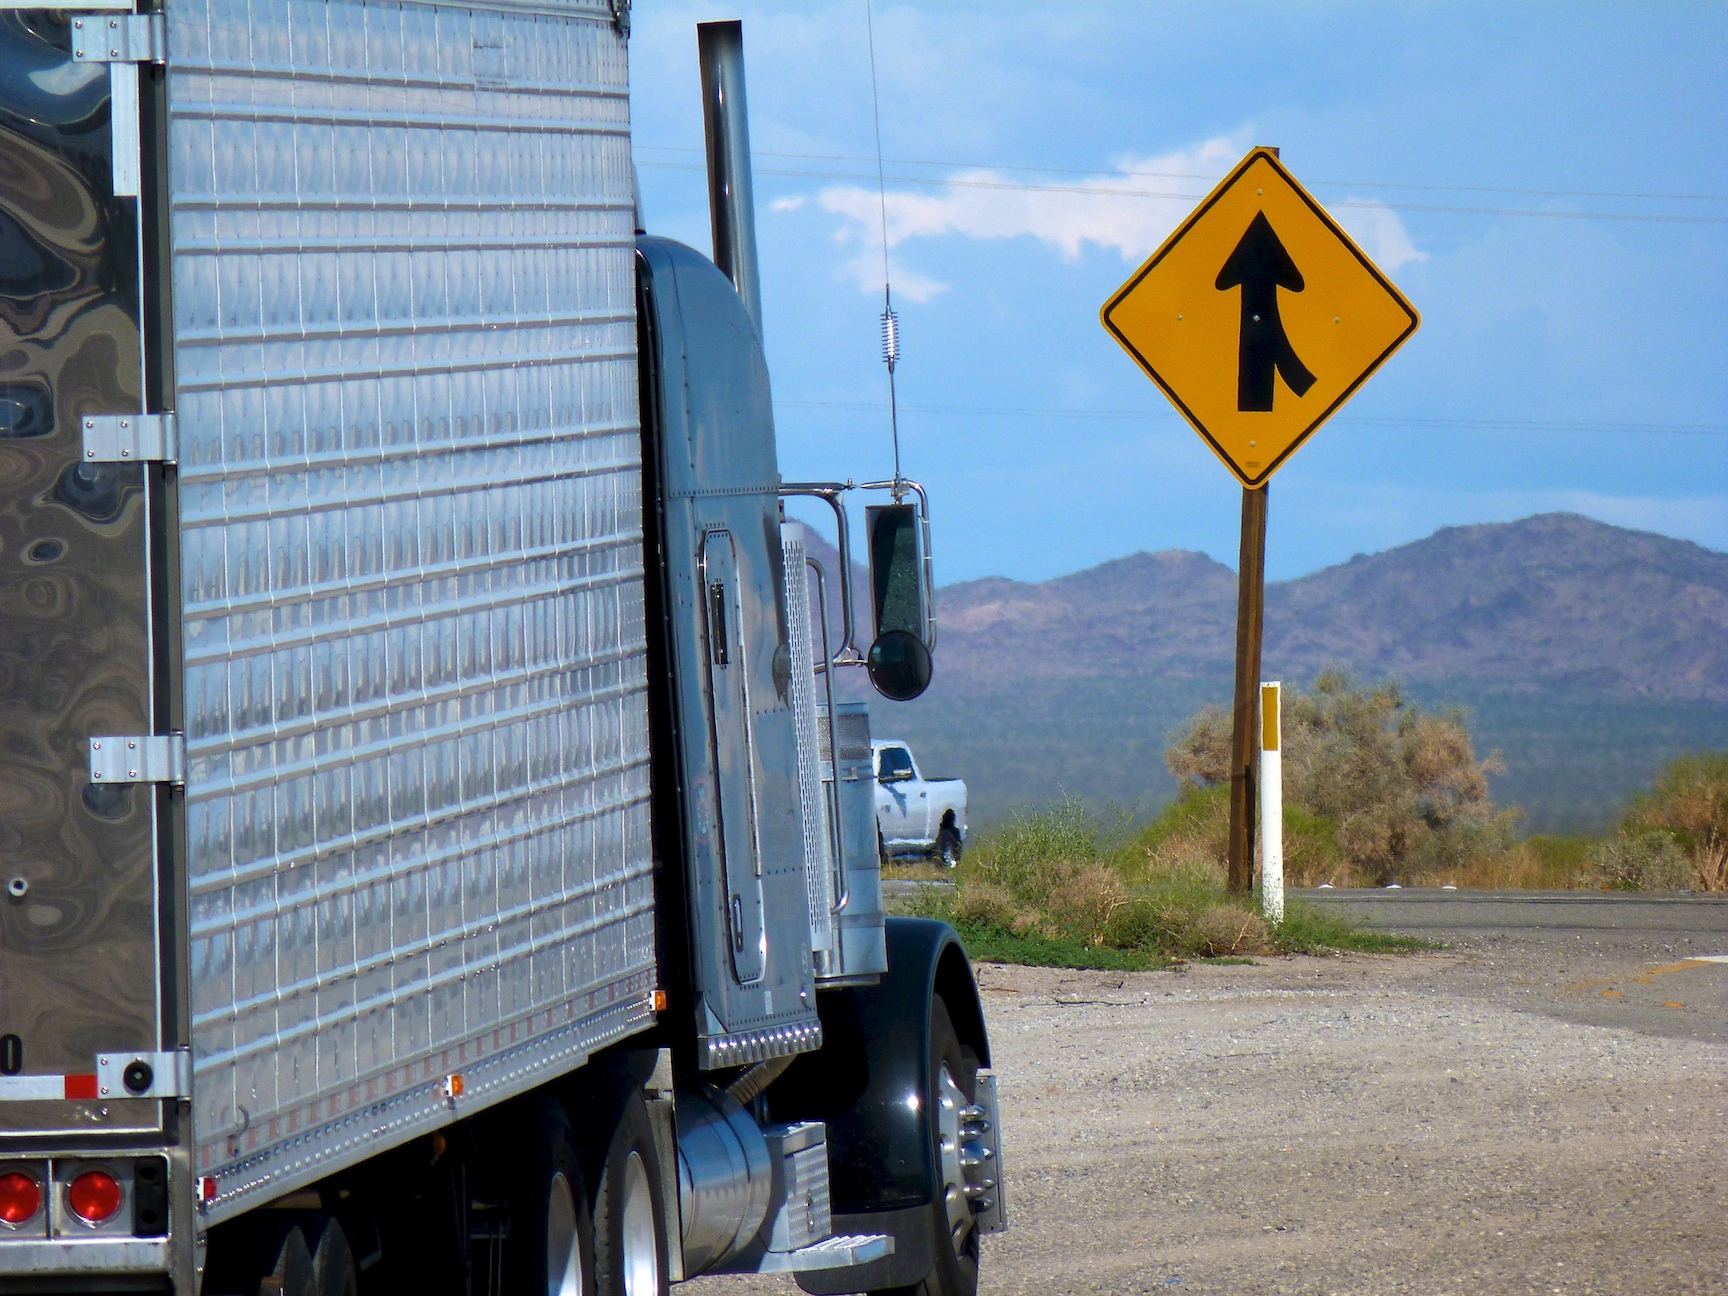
x=1260 y=267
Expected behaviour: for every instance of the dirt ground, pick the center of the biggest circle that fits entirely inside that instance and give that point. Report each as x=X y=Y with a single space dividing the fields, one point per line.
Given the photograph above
x=1450 y=1122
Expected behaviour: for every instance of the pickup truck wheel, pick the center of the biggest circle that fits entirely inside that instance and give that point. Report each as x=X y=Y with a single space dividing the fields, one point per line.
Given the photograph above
x=629 y=1212
x=953 y=1086
x=948 y=847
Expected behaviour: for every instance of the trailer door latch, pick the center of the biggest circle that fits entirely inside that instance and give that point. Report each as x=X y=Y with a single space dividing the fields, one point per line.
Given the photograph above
x=130 y=438
x=138 y=759
x=144 y=1075
x=119 y=38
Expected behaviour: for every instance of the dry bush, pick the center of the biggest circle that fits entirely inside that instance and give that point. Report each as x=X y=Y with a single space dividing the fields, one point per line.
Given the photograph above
x=1185 y=861
x=1400 y=788
x=1225 y=929
x=1689 y=800
x=1710 y=865
x=1647 y=861
x=1520 y=869
x=1201 y=756
x=984 y=904
x=1088 y=901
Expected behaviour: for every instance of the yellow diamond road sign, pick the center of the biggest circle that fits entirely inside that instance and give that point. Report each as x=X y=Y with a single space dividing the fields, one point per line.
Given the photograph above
x=1259 y=317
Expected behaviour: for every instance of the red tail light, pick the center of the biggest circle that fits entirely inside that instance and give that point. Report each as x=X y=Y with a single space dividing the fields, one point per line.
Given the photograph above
x=20 y=1197
x=94 y=1196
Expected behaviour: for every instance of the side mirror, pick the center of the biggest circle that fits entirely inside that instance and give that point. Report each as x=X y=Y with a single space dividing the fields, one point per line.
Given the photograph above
x=899 y=665
x=899 y=660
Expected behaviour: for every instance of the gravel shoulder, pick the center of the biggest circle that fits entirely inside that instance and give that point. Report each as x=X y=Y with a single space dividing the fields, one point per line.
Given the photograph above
x=1484 y=1119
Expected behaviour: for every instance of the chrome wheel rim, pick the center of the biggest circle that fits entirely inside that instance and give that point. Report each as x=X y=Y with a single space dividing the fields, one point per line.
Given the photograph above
x=563 y=1256
x=955 y=1201
x=640 y=1245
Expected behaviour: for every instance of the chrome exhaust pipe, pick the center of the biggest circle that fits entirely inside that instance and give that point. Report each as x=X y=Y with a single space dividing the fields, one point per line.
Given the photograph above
x=726 y=122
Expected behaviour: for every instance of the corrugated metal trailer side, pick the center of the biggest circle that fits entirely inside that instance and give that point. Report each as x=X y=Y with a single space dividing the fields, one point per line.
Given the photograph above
x=411 y=546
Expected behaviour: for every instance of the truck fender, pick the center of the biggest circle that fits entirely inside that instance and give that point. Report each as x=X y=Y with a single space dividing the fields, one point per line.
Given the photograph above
x=867 y=1084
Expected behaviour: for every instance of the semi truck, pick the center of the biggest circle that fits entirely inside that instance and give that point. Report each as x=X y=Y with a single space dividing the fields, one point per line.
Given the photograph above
x=434 y=856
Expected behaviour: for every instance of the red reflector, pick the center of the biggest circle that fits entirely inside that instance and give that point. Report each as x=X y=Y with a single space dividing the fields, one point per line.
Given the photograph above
x=94 y=1196
x=20 y=1197
x=81 y=1086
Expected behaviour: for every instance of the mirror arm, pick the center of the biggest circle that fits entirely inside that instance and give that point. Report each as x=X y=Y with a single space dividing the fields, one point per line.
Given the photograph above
x=928 y=572
x=831 y=492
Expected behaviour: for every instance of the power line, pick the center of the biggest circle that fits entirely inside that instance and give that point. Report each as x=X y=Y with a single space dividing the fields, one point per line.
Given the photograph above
x=1212 y=179
x=1195 y=197
x=1548 y=426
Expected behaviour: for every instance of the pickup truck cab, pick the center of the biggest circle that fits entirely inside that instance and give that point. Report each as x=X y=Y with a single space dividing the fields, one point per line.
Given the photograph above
x=916 y=815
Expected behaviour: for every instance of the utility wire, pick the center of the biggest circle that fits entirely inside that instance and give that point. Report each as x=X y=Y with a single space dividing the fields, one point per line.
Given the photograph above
x=1194 y=175
x=1142 y=416
x=1100 y=191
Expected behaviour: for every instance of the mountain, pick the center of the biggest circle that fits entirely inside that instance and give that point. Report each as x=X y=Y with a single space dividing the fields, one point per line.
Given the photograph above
x=1586 y=653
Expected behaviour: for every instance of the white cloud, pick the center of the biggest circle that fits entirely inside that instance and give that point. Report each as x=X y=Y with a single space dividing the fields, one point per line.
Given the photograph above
x=1379 y=231
x=791 y=204
x=1130 y=211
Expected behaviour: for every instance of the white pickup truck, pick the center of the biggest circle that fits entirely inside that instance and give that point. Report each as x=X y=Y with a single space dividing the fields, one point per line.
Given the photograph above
x=916 y=815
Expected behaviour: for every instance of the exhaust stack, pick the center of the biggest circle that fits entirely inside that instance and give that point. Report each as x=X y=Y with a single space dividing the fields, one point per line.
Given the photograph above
x=725 y=116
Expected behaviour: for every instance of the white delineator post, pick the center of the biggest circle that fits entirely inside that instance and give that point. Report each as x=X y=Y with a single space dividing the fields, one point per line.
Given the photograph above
x=1271 y=802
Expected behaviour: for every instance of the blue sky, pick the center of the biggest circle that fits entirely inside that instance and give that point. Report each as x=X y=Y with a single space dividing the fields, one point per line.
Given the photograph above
x=1547 y=183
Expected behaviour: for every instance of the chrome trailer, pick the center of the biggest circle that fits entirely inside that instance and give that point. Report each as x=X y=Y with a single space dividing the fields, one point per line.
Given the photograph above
x=426 y=860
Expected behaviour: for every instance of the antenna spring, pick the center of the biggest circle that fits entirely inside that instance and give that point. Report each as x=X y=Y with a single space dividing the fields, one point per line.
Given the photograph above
x=890 y=339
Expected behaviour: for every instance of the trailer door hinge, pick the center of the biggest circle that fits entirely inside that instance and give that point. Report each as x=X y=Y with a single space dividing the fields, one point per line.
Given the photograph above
x=131 y=438
x=128 y=759
x=119 y=38
x=144 y=1075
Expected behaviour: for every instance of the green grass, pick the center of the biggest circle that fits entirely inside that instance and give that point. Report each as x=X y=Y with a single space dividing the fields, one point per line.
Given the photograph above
x=993 y=945
x=1307 y=929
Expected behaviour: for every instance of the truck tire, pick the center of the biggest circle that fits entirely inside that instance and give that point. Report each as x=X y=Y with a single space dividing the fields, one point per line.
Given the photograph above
x=629 y=1211
x=289 y=1271
x=948 y=847
x=550 y=1251
x=333 y=1272
x=953 y=1084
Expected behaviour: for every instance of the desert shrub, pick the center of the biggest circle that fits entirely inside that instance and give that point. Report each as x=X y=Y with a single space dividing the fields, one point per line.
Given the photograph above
x=1710 y=865
x=1688 y=800
x=1312 y=852
x=1227 y=929
x=1035 y=851
x=1055 y=886
x=984 y=904
x=1645 y=861
x=1393 y=790
x=1689 y=803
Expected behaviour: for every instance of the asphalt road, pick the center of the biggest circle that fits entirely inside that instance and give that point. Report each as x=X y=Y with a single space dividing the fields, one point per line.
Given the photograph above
x=1642 y=962
x=1541 y=1107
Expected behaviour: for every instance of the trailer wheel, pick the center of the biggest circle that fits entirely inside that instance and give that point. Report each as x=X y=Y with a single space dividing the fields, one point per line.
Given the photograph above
x=629 y=1212
x=333 y=1272
x=551 y=1243
x=953 y=1085
x=291 y=1272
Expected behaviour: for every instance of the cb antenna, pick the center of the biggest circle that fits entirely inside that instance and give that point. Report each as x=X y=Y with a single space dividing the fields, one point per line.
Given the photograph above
x=890 y=321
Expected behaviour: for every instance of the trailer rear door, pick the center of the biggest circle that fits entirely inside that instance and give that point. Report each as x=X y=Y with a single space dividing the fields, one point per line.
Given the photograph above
x=78 y=861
